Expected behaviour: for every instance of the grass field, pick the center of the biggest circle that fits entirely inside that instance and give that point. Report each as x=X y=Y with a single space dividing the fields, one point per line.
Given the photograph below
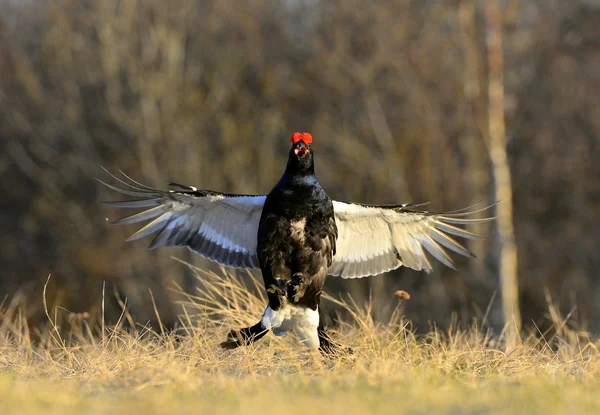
x=76 y=367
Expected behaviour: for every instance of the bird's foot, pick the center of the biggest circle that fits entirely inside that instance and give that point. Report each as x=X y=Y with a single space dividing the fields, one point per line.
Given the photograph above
x=277 y=296
x=297 y=287
x=333 y=349
x=234 y=340
x=274 y=289
x=244 y=336
x=330 y=348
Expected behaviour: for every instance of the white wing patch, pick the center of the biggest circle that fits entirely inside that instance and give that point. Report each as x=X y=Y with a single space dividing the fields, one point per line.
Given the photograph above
x=377 y=239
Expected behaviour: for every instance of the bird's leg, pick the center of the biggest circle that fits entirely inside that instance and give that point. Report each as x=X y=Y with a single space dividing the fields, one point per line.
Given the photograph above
x=297 y=286
x=277 y=296
x=327 y=346
x=244 y=337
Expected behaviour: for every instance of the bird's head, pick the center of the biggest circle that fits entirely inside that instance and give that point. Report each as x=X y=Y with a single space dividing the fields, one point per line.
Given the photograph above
x=301 y=154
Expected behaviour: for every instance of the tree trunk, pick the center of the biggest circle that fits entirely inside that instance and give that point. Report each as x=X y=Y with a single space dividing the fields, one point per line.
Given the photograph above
x=501 y=172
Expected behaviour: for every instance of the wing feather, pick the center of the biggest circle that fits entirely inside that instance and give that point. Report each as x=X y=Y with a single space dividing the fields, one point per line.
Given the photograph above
x=141 y=216
x=221 y=227
x=453 y=230
x=160 y=239
x=449 y=243
x=134 y=203
x=436 y=250
x=154 y=226
x=375 y=239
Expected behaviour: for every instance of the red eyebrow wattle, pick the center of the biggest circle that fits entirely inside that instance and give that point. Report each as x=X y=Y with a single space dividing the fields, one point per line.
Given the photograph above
x=306 y=137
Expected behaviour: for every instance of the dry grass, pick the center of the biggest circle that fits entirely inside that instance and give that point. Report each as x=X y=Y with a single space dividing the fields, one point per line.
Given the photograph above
x=75 y=366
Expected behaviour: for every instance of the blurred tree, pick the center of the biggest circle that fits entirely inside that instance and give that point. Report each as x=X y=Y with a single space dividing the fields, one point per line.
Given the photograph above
x=502 y=181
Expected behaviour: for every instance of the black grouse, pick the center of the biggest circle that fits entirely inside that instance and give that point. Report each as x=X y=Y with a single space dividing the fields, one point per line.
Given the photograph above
x=297 y=236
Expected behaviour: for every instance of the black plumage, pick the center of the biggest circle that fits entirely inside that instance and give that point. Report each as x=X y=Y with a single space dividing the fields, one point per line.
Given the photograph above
x=297 y=232
x=296 y=236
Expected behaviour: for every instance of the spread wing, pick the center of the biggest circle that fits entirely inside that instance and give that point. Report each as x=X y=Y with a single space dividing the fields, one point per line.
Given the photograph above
x=221 y=227
x=375 y=239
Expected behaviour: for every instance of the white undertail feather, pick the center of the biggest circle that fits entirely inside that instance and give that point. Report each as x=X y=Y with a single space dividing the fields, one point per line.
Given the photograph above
x=302 y=320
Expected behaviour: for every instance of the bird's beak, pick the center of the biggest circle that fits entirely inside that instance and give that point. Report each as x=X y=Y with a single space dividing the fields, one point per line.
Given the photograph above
x=300 y=148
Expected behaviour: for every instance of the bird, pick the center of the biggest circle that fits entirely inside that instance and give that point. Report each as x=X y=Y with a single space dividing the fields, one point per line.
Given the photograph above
x=297 y=236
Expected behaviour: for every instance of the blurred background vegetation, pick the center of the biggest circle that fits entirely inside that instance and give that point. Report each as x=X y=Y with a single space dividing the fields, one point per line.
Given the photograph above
x=207 y=92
